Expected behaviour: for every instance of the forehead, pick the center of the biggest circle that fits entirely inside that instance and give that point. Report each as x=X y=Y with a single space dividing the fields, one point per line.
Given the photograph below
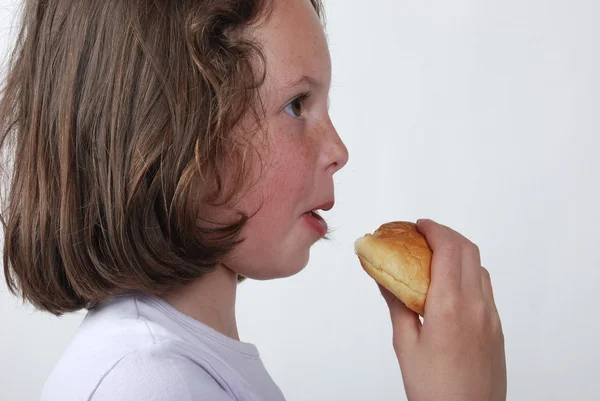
x=294 y=44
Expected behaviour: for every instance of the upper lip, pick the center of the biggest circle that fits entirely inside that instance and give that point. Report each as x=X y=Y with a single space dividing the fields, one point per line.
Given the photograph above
x=325 y=206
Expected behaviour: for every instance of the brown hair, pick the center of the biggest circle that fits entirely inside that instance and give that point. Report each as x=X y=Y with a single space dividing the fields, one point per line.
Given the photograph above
x=115 y=123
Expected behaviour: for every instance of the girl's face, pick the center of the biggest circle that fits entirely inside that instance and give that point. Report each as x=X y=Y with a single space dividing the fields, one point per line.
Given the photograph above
x=300 y=153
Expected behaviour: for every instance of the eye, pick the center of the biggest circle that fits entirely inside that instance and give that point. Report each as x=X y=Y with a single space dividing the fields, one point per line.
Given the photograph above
x=296 y=107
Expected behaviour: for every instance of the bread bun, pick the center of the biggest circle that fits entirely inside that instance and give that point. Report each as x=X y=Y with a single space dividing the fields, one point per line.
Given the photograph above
x=398 y=257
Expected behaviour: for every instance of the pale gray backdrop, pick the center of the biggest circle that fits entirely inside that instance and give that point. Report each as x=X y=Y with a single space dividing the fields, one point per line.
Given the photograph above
x=481 y=114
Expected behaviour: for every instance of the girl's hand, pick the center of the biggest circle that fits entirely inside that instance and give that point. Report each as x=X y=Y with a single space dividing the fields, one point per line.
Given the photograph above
x=457 y=354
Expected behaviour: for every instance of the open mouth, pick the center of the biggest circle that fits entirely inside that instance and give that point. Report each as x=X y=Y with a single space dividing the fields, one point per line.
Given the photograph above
x=316 y=222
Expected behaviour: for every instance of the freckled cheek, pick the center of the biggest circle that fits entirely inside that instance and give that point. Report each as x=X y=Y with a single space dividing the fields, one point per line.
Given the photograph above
x=293 y=176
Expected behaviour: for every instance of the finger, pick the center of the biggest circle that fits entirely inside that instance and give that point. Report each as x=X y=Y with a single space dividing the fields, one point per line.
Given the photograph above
x=487 y=289
x=471 y=270
x=470 y=266
x=496 y=322
x=446 y=259
x=405 y=323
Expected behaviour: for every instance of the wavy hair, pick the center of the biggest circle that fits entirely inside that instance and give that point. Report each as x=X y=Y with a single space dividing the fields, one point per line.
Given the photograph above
x=116 y=121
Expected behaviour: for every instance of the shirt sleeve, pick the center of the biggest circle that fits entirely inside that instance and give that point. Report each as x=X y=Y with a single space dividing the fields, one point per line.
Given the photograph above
x=145 y=375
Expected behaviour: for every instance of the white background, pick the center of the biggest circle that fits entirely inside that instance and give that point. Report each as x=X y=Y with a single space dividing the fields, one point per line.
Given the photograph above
x=483 y=115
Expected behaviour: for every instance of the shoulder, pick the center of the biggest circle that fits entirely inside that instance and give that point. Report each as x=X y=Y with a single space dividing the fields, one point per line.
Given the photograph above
x=154 y=373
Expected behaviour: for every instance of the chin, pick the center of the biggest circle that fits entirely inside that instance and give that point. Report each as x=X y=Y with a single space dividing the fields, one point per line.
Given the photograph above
x=279 y=269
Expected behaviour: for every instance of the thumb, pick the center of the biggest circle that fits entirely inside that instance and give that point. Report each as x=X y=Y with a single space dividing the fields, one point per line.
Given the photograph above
x=406 y=325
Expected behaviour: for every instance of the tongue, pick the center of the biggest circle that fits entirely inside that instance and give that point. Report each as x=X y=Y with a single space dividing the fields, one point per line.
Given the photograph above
x=317 y=217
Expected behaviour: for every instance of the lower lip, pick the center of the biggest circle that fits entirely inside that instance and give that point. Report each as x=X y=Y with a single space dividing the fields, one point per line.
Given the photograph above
x=316 y=222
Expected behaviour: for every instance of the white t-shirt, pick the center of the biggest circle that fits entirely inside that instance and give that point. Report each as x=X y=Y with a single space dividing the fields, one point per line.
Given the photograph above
x=139 y=348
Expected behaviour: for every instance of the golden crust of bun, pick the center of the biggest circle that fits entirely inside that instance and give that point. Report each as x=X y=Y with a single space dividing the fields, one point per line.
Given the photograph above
x=398 y=257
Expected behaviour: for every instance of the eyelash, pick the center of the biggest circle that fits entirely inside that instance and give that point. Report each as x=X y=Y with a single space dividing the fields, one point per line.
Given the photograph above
x=300 y=98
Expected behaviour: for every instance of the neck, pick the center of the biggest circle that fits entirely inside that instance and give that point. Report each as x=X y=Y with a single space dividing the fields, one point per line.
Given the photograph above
x=211 y=300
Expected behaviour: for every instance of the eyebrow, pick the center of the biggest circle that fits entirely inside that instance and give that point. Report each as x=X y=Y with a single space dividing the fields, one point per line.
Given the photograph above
x=304 y=79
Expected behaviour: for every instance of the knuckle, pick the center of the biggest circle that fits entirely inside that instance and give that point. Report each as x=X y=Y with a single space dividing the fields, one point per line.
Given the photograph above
x=450 y=307
x=474 y=248
x=500 y=335
x=487 y=283
x=450 y=249
x=496 y=325
x=481 y=313
x=497 y=335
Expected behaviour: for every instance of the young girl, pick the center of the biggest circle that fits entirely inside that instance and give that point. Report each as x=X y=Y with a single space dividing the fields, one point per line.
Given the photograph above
x=161 y=151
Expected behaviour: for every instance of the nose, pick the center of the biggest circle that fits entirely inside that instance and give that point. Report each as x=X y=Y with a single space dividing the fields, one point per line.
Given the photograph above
x=336 y=152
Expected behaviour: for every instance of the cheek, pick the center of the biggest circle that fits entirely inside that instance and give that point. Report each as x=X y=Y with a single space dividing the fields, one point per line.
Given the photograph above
x=292 y=172
x=274 y=245
x=278 y=193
